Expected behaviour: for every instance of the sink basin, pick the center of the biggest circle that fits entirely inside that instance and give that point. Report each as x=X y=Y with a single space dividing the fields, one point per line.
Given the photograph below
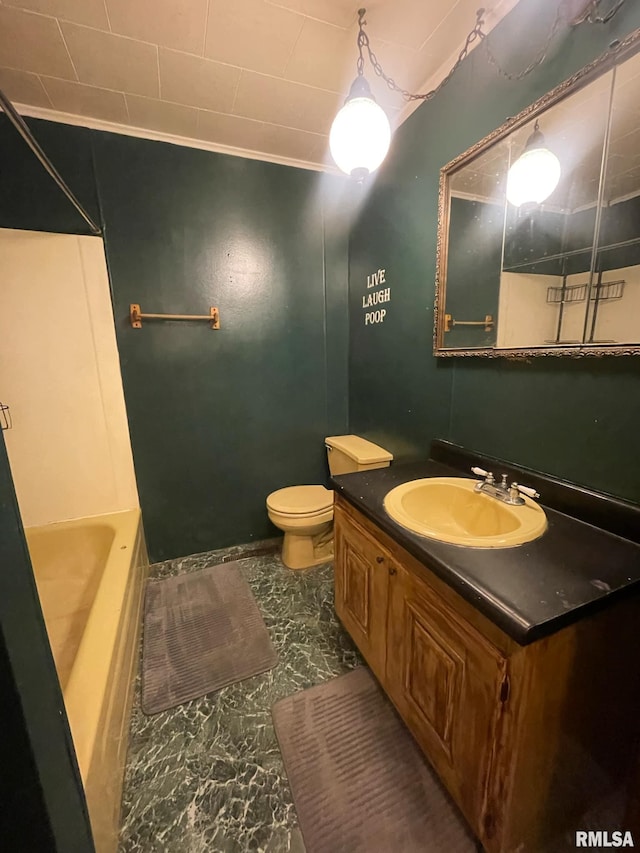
x=449 y=510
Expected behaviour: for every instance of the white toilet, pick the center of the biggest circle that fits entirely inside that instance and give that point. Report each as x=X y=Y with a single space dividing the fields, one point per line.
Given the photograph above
x=305 y=513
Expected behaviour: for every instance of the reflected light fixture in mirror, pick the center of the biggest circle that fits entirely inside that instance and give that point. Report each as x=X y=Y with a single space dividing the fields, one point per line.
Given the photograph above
x=535 y=174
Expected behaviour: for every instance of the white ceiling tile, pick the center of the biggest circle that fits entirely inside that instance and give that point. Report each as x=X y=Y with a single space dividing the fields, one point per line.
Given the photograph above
x=324 y=56
x=179 y=25
x=80 y=99
x=261 y=136
x=112 y=62
x=285 y=103
x=160 y=115
x=406 y=22
x=89 y=12
x=450 y=35
x=252 y=35
x=31 y=42
x=235 y=131
x=260 y=75
x=340 y=13
x=197 y=82
x=23 y=87
x=438 y=55
x=296 y=144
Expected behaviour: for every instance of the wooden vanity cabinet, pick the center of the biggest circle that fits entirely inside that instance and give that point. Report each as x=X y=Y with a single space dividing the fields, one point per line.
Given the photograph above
x=511 y=730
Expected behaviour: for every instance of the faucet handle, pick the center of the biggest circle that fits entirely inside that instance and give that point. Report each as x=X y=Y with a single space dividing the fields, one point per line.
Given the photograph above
x=488 y=475
x=526 y=490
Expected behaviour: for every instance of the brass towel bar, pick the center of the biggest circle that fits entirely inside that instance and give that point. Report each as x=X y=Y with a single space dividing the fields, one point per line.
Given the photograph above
x=136 y=317
x=449 y=322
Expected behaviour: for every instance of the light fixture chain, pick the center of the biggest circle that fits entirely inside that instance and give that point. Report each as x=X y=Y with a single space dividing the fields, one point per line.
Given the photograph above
x=477 y=33
x=363 y=41
x=561 y=17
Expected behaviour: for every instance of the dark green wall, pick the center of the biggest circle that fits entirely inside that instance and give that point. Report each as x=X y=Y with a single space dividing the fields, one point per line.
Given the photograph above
x=217 y=419
x=29 y=198
x=399 y=396
x=577 y=419
x=220 y=419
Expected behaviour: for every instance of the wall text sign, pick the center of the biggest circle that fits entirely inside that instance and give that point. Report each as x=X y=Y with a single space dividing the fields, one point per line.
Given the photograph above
x=375 y=297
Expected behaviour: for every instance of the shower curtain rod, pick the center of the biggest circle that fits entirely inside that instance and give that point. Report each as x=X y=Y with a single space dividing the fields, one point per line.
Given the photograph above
x=21 y=126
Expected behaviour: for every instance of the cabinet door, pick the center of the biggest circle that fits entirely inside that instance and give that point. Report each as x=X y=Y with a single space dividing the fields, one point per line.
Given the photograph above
x=450 y=685
x=361 y=582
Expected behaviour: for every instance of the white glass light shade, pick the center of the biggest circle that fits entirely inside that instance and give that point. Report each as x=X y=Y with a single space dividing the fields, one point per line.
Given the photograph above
x=360 y=136
x=533 y=177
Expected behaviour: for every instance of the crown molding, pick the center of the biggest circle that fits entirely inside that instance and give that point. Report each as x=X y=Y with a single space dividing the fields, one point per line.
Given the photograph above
x=158 y=136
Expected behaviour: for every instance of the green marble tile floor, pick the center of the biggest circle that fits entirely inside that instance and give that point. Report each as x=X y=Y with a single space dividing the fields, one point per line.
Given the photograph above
x=208 y=775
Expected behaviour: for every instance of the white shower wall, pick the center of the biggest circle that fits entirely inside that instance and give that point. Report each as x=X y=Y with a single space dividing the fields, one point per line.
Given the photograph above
x=69 y=448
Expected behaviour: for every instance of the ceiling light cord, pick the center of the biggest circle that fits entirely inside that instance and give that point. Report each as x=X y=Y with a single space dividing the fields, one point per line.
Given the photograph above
x=563 y=16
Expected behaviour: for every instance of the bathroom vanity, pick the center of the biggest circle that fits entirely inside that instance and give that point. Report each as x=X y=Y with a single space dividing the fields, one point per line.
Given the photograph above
x=516 y=669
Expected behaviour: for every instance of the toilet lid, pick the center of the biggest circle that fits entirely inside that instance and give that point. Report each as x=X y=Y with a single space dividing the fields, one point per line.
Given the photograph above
x=301 y=500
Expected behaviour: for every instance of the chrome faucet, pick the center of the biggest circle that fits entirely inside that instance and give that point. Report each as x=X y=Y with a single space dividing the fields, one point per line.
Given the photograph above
x=509 y=494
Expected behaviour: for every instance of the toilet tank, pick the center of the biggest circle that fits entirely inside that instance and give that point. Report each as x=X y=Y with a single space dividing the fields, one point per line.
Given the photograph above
x=349 y=453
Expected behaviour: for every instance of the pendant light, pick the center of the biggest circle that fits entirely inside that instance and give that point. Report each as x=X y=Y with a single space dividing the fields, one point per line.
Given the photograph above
x=360 y=134
x=535 y=174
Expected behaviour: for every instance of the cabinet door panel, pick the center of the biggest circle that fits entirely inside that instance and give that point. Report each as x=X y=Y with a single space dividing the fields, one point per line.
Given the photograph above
x=448 y=682
x=434 y=671
x=361 y=581
x=357 y=587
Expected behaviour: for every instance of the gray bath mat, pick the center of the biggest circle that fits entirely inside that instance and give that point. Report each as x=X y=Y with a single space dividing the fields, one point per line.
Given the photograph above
x=202 y=631
x=358 y=779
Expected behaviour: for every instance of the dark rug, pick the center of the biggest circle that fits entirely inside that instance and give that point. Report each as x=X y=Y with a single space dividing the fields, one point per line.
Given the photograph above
x=202 y=631
x=359 y=781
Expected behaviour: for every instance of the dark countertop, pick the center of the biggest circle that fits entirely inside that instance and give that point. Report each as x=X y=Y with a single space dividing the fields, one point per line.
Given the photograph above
x=529 y=591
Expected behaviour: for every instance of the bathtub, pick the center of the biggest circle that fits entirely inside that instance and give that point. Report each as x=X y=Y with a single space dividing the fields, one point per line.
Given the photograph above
x=90 y=575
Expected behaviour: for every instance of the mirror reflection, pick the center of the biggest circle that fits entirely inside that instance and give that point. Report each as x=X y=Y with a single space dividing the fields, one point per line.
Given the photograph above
x=541 y=247
x=614 y=306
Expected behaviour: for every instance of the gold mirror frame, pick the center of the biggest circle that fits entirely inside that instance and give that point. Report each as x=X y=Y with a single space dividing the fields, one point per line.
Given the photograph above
x=605 y=62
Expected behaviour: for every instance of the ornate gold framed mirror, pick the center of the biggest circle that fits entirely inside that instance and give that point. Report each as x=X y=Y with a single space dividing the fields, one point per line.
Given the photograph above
x=539 y=224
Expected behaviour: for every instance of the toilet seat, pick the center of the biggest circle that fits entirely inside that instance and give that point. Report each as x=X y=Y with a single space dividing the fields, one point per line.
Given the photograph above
x=301 y=501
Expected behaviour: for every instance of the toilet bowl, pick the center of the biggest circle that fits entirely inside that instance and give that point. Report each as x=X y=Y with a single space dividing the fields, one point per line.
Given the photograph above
x=305 y=513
